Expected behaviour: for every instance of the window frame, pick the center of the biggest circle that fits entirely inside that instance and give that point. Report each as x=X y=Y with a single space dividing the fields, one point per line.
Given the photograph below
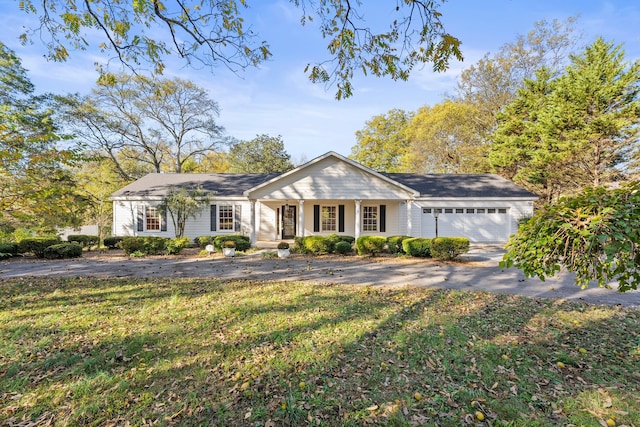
x=229 y=217
x=327 y=220
x=371 y=223
x=152 y=216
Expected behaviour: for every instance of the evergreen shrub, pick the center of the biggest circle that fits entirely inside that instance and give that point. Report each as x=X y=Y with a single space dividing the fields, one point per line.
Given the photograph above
x=370 y=245
x=417 y=247
x=448 y=248
x=63 y=250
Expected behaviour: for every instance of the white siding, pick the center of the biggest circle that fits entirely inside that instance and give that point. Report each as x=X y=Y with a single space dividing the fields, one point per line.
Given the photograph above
x=330 y=180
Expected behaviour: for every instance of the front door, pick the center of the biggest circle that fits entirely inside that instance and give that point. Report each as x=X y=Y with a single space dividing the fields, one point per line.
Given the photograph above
x=288 y=222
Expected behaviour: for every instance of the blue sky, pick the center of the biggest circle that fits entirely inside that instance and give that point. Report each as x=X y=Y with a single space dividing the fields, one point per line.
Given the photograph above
x=278 y=99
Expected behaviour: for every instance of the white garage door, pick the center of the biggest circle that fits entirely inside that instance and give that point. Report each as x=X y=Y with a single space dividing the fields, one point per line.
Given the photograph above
x=477 y=224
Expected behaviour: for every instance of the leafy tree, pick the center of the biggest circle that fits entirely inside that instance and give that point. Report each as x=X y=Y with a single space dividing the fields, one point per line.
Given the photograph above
x=215 y=32
x=445 y=139
x=262 y=154
x=596 y=107
x=37 y=188
x=97 y=180
x=519 y=150
x=147 y=125
x=382 y=144
x=595 y=235
x=566 y=133
x=182 y=204
x=494 y=80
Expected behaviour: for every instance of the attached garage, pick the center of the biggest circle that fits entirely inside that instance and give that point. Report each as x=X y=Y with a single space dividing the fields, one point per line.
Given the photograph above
x=478 y=224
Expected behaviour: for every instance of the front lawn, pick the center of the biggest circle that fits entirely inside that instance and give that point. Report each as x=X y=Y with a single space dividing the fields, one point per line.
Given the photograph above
x=204 y=352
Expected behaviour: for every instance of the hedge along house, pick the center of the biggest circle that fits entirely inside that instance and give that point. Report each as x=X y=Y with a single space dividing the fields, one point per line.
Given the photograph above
x=330 y=194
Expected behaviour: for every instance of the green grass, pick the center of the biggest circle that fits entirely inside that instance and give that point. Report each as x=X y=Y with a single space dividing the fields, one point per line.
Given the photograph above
x=204 y=352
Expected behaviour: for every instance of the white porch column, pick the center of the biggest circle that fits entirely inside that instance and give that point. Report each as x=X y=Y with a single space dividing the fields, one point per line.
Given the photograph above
x=357 y=218
x=252 y=216
x=301 y=218
x=409 y=223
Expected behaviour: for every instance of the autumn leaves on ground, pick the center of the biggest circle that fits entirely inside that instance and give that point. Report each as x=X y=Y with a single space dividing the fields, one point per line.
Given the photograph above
x=201 y=352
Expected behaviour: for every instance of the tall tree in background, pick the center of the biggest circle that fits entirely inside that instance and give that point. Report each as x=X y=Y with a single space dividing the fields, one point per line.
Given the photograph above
x=147 y=125
x=561 y=135
x=494 y=80
x=445 y=139
x=215 y=32
x=262 y=154
x=382 y=144
x=37 y=187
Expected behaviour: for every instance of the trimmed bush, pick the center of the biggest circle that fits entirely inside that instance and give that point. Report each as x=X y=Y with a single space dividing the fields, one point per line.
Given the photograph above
x=370 y=245
x=417 y=247
x=86 y=241
x=175 y=246
x=132 y=244
x=243 y=243
x=112 y=242
x=299 y=245
x=8 y=250
x=394 y=244
x=343 y=247
x=203 y=241
x=63 y=250
x=448 y=248
x=37 y=245
x=317 y=245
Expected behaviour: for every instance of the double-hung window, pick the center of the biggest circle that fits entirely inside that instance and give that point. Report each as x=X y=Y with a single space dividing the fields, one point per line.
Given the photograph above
x=152 y=219
x=329 y=218
x=225 y=217
x=370 y=218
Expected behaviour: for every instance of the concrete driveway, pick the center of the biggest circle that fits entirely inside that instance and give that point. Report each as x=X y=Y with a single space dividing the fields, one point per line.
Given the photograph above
x=479 y=272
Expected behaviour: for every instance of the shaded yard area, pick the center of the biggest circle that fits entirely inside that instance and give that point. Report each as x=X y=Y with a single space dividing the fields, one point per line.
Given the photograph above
x=100 y=351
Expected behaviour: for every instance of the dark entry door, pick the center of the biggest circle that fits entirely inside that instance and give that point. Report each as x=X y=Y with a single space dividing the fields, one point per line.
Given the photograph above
x=288 y=222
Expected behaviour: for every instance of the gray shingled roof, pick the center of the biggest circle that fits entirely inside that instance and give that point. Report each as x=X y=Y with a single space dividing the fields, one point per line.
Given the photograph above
x=229 y=184
x=219 y=184
x=450 y=185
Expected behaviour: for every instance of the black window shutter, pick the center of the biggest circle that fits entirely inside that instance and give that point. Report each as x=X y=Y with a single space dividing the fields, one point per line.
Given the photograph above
x=214 y=218
x=383 y=218
x=341 y=218
x=163 y=221
x=140 y=218
x=316 y=218
x=237 y=213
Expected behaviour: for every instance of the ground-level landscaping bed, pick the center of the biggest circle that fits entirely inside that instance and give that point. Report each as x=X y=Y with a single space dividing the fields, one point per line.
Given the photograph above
x=86 y=351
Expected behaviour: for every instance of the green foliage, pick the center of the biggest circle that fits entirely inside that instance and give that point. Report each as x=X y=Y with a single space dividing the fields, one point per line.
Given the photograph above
x=417 y=247
x=148 y=245
x=243 y=243
x=182 y=204
x=448 y=248
x=175 y=246
x=581 y=124
x=203 y=241
x=394 y=244
x=86 y=241
x=37 y=245
x=112 y=242
x=215 y=33
x=63 y=250
x=370 y=245
x=446 y=138
x=343 y=248
x=382 y=144
x=317 y=245
x=595 y=234
x=263 y=154
x=8 y=250
x=38 y=189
